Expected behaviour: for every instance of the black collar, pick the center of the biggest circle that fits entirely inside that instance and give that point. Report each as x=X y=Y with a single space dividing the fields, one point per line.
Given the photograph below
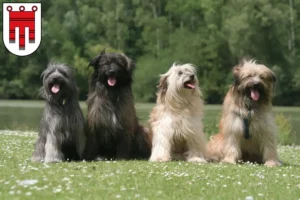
x=246 y=123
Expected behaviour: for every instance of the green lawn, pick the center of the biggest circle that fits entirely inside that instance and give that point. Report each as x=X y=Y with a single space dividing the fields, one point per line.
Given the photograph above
x=21 y=179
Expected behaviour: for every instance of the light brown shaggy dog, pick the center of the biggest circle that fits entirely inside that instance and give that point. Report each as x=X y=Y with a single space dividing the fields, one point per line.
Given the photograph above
x=247 y=127
x=176 y=120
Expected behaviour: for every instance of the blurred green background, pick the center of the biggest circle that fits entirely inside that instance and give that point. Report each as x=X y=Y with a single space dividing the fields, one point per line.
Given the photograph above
x=213 y=35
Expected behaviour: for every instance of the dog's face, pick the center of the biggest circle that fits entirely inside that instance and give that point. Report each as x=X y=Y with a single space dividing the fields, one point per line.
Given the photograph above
x=58 y=81
x=179 y=81
x=254 y=81
x=112 y=70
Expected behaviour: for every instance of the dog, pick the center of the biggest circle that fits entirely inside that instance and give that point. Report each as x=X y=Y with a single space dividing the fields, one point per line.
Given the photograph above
x=176 y=120
x=112 y=125
x=247 y=127
x=61 y=136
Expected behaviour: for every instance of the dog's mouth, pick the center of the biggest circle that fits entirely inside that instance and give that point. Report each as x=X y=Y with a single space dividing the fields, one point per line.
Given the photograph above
x=254 y=94
x=111 y=81
x=55 y=88
x=190 y=84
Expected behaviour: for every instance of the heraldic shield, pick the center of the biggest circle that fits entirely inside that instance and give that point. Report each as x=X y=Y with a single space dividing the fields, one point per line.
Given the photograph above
x=22 y=27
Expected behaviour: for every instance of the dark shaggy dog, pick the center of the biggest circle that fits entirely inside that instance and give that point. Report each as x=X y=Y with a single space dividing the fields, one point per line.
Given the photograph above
x=112 y=125
x=61 y=136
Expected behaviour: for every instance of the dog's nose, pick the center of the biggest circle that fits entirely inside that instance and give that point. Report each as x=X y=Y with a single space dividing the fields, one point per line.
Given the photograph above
x=111 y=72
x=192 y=77
x=256 y=85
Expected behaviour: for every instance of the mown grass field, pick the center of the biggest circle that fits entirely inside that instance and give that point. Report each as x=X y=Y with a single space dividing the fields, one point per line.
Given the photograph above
x=22 y=179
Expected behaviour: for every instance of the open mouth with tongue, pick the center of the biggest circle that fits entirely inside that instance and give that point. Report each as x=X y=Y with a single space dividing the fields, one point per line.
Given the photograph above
x=254 y=93
x=55 y=88
x=111 y=81
x=190 y=84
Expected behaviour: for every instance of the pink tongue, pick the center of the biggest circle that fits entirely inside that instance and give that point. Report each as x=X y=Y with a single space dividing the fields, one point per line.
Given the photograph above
x=55 y=88
x=111 y=81
x=190 y=85
x=254 y=94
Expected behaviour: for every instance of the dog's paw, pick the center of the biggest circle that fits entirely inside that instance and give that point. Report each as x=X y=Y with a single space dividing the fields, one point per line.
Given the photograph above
x=53 y=160
x=197 y=159
x=160 y=159
x=228 y=160
x=99 y=158
x=37 y=159
x=213 y=159
x=272 y=163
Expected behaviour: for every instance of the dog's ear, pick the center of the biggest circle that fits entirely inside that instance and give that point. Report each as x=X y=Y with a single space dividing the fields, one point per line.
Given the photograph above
x=163 y=84
x=42 y=93
x=42 y=75
x=95 y=60
x=163 y=87
x=273 y=77
x=103 y=52
x=130 y=63
x=236 y=74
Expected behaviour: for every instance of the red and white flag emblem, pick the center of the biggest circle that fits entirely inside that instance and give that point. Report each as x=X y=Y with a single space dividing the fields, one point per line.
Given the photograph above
x=22 y=27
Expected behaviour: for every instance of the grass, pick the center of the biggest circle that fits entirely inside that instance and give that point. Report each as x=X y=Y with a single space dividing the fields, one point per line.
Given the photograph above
x=22 y=179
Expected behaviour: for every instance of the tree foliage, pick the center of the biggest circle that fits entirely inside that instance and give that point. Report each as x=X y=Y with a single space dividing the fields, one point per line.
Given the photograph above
x=212 y=35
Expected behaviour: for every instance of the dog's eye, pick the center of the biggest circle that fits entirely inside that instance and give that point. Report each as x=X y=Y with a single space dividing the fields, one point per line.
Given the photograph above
x=179 y=73
x=261 y=77
x=64 y=74
x=103 y=63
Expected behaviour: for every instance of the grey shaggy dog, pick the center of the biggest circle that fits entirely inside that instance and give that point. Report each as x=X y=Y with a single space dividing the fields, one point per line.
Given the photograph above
x=61 y=136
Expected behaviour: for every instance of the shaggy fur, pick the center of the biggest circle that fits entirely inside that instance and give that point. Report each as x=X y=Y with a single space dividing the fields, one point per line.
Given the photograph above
x=176 y=120
x=61 y=136
x=249 y=98
x=112 y=124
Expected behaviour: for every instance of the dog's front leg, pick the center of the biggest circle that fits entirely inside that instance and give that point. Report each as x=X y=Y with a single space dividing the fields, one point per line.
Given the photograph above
x=53 y=149
x=270 y=155
x=91 y=150
x=80 y=142
x=38 y=154
x=196 y=149
x=123 y=148
x=161 y=146
x=39 y=150
x=233 y=129
x=231 y=150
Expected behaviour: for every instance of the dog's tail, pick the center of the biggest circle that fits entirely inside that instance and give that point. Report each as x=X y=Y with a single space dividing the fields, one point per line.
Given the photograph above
x=142 y=143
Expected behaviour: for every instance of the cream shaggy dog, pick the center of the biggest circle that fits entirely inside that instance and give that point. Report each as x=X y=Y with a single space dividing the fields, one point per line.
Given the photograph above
x=247 y=127
x=176 y=120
